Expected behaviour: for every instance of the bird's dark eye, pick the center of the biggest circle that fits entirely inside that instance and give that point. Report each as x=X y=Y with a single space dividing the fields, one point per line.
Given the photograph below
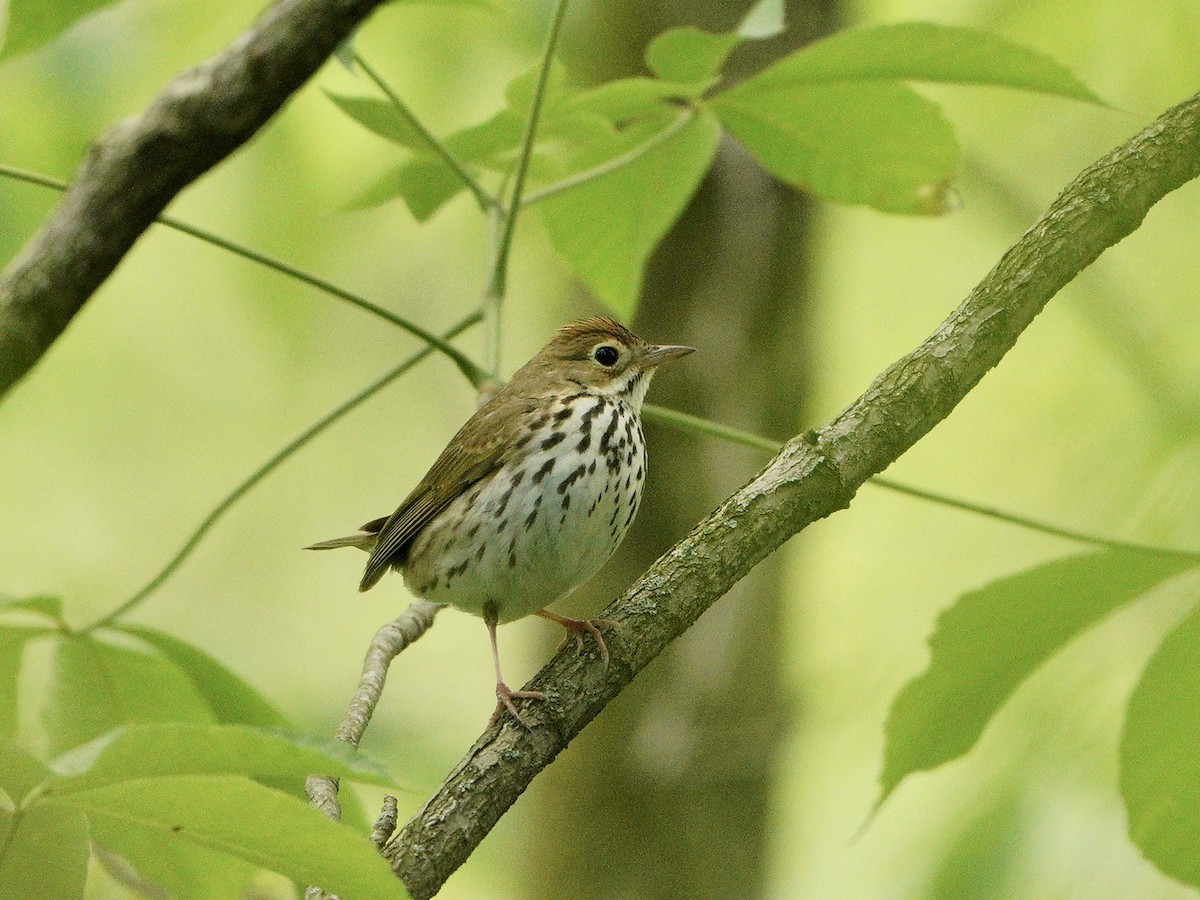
x=605 y=355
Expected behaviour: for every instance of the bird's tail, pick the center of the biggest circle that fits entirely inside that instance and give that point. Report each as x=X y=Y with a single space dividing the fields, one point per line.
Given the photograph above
x=364 y=540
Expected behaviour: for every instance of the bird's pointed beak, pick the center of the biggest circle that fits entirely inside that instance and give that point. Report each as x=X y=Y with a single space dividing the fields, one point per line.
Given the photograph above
x=656 y=356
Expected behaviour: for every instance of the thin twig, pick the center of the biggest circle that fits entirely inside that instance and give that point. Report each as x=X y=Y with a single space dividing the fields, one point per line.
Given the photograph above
x=494 y=295
x=385 y=824
x=473 y=373
x=676 y=419
x=266 y=469
x=611 y=165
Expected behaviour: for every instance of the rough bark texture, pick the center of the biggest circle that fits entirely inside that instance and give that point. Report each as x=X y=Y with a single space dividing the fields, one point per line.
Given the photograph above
x=814 y=475
x=686 y=761
x=137 y=166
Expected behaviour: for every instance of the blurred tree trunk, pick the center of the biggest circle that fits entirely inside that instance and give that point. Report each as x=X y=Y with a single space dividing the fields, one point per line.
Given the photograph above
x=669 y=793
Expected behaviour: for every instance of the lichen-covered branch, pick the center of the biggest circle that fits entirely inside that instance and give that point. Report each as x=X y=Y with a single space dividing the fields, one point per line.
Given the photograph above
x=138 y=165
x=387 y=644
x=814 y=475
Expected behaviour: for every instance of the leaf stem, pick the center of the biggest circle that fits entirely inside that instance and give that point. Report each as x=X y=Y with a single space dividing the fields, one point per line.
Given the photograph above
x=266 y=469
x=486 y=201
x=494 y=295
x=465 y=364
x=613 y=164
x=1027 y=522
x=676 y=419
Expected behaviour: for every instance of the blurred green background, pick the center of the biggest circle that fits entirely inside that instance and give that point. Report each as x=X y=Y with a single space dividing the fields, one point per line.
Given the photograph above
x=191 y=366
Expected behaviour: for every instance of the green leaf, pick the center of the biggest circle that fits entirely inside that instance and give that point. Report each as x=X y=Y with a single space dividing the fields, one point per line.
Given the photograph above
x=43 y=853
x=518 y=93
x=238 y=816
x=181 y=870
x=923 y=51
x=877 y=144
x=12 y=653
x=380 y=117
x=631 y=98
x=424 y=184
x=607 y=227
x=50 y=607
x=231 y=699
x=32 y=23
x=97 y=686
x=983 y=856
x=689 y=54
x=20 y=772
x=498 y=134
x=176 y=748
x=993 y=638
x=1160 y=756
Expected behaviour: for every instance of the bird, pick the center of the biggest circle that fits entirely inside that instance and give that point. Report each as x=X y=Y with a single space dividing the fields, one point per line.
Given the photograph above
x=533 y=494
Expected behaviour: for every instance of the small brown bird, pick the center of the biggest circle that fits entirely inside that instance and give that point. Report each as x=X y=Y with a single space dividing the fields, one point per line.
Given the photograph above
x=533 y=494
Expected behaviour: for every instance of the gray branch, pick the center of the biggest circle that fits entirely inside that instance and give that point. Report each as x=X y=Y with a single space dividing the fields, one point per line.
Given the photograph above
x=813 y=476
x=136 y=168
x=387 y=644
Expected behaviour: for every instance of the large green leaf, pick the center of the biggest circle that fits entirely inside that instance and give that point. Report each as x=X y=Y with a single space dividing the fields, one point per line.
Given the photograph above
x=1160 y=755
x=923 y=51
x=32 y=23
x=992 y=639
x=231 y=699
x=43 y=853
x=177 y=748
x=238 y=816
x=20 y=772
x=97 y=686
x=184 y=870
x=879 y=144
x=607 y=227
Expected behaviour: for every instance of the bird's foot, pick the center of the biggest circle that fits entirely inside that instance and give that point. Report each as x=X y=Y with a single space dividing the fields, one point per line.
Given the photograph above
x=504 y=700
x=577 y=627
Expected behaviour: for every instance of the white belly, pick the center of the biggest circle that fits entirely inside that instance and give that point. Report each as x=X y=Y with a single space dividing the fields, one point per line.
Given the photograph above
x=526 y=548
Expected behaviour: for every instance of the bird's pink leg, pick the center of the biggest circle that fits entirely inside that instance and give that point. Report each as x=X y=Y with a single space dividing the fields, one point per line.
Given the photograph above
x=504 y=694
x=577 y=627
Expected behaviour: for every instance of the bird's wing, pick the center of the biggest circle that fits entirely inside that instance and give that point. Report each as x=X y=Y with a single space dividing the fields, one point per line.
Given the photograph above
x=474 y=453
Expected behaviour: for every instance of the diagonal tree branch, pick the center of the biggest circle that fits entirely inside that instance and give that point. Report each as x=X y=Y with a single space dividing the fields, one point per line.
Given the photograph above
x=813 y=476
x=137 y=166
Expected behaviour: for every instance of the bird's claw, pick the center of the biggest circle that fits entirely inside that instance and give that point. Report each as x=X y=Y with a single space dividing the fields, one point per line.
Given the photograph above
x=504 y=701
x=594 y=627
